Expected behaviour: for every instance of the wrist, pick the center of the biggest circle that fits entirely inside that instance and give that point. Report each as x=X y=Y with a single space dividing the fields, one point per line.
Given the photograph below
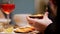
x=41 y=28
x=47 y=24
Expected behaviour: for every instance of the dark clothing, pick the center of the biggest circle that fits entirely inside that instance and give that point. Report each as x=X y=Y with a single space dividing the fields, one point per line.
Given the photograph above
x=54 y=28
x=50 y=16
x=51 y=29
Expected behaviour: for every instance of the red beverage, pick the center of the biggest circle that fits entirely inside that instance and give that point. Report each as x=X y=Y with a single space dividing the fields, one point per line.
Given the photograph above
x=7 y=8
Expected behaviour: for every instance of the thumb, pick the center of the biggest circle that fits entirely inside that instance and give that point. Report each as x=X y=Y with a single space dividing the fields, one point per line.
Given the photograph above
x=46 y=15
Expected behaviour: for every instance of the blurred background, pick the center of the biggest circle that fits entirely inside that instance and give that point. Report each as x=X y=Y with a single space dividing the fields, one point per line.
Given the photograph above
x=28 y=7
x=24 y=6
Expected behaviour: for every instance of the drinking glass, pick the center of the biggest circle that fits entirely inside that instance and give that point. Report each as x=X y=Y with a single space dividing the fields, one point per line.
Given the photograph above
x=7 y=7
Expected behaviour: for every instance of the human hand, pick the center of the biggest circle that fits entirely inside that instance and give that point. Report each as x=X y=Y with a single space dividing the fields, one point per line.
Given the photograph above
x=40 y=24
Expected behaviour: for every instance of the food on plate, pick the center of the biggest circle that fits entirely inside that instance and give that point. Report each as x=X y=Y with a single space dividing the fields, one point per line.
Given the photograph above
x=1 y=27
x=24 y=30
x=8 y=30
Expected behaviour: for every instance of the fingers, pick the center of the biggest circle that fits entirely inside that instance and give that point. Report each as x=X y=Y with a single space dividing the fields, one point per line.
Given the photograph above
x=31 y=20
x=28 y=18
x=46 y=15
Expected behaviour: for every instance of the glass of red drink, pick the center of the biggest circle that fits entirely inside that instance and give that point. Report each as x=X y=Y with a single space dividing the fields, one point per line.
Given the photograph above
x=7 y=6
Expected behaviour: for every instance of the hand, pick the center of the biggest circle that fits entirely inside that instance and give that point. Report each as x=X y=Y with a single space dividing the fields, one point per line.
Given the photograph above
x=40 y=24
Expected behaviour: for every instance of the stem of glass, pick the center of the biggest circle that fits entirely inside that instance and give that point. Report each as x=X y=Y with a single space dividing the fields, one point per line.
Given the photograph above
x=8 y=19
